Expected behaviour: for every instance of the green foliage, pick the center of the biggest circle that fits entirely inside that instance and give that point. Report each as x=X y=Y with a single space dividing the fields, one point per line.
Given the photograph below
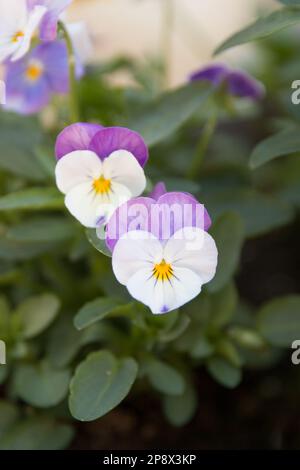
x=283 y=143
x=40 y=385
x=97 y=310
x=73 y=334
x=179 y=410
x=223 y=372
x=279 y=321
x=263 y=28
x=228 y=233
x=167 y=114
x=32 y=199
x=35 y=314
x=164 y=378
x=100 y=383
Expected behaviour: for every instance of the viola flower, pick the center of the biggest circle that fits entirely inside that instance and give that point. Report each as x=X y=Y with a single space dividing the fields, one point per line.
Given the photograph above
x=17 y=26
x=31 y=81
x=98 y=169
x=238 y=83
x=54 y=9
x=165 y=265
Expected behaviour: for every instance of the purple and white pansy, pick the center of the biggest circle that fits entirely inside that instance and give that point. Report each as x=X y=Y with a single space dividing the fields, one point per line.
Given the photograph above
x=32 y=80
x=237 y=82
x=21 y=19
x=18 y=24
x=161 y=250
x=98 y=169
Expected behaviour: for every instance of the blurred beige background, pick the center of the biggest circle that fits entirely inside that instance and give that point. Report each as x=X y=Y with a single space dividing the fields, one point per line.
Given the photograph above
x=135 y=27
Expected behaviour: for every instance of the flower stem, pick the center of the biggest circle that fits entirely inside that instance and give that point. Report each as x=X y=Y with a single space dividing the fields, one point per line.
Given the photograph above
x=74 y=108
x=204 y=141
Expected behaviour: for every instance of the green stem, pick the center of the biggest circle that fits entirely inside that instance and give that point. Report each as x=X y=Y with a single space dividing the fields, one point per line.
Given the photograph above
x=204 y=141
x=74 y=109
x=168 y=13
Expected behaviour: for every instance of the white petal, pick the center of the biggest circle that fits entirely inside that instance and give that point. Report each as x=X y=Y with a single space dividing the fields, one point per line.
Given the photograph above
x=13 y=15
x=77 y=167
x=195 y=249
x=6 y=49
x=81 y=40
x=84 y=204
x=164 y=296
x=34 y=20
x=92 y=209
x=117 y=196
x=135 y=250
x=121 y=166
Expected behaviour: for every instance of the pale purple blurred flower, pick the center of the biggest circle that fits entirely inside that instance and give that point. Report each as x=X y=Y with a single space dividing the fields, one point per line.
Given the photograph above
x=31 y=81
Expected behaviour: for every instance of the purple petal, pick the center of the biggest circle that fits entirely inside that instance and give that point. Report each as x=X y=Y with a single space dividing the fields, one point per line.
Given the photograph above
x=54 y=57
x=48 y=28
x=132 y=215
x=162 y=218
x=243 y=85
x=23 y=96
x=215 y=73
x=189 y=213
x=75 y=137
x=110 y=139
x=158 y=190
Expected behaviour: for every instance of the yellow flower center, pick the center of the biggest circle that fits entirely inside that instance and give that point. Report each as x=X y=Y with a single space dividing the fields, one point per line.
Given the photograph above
x=34 y=71
x=163 y=271
x=102 y=185
x=17 y=36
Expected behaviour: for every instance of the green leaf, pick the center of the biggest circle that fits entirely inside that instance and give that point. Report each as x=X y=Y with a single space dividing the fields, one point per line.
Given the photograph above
x=263 y=28
x=164 y=377
x=97 y=310
x=64 y=341
x=100 y=383
x=40 y=385
x=42 y=229
x=169 y=112
x=8 y=416
x=201 y=346
x=12 y=250
x=279 y=321
x=96 y=242
x=228 y=233
x=283 y=143
x=37 y=313
x=224 y=372
x=260 y=213
x=180 y=410
x=32 y=199
x=19 y=137
x=38 y=433
x=223 y=305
